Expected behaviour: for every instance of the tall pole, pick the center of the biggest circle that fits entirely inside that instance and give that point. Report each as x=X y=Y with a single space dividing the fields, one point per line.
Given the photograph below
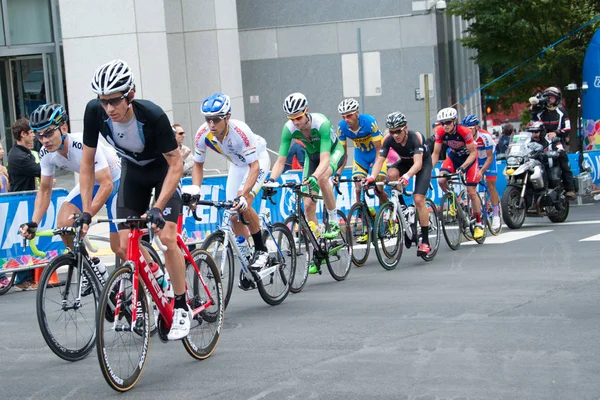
x=361 y=81
x=427 y=107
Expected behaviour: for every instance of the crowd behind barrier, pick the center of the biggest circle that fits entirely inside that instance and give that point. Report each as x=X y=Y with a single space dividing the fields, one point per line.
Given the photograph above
x=17 y=208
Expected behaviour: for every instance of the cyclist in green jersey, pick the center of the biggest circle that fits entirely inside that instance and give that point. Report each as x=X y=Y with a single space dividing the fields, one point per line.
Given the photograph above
x=324 y=155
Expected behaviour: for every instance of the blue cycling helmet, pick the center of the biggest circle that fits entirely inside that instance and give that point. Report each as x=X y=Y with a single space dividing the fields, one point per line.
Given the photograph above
x=46 y=115
x=470 y=120
x=217 y=105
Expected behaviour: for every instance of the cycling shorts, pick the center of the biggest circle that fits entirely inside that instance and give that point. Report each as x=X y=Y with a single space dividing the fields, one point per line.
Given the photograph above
x=363 y=164
x=492 y=172
x=135 y=191
x=451 y=162
x=422 y=178
x=237 y=176
x=312 y=161
x=74 y=198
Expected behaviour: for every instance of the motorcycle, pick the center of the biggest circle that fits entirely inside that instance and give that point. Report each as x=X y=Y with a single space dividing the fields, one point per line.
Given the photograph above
x=534 y=187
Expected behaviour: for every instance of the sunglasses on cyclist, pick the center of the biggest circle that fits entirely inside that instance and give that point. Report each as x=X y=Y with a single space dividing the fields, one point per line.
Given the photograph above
x=446 y=122
x=112 y=102
x=397 y=131
x=215 y=120
x=297 y=117
x=46 y=133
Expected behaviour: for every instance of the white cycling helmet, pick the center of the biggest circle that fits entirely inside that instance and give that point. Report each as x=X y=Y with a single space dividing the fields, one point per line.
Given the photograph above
x=216 y=105
x=112 y=77
x=447 y=114
x=295 y=103
x=348 y=106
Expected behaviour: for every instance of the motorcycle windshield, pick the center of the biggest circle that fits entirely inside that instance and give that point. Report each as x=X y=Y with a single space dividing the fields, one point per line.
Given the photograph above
x=518 y=145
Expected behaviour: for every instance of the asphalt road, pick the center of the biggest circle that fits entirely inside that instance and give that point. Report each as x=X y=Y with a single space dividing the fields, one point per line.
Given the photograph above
x=517 y=319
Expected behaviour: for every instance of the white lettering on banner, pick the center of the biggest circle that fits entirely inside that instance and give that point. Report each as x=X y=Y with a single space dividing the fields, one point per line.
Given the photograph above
x=11 y=233
x=288 y=203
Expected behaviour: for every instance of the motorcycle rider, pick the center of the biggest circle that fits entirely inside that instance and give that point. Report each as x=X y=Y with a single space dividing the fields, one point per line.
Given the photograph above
x=548 y=110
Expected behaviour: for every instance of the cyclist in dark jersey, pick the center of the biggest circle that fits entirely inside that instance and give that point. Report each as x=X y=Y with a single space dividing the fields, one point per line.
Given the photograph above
x=414 y=160
x=141 y=133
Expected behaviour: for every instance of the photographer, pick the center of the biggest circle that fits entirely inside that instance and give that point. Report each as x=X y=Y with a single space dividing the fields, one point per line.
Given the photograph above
x=548 y=109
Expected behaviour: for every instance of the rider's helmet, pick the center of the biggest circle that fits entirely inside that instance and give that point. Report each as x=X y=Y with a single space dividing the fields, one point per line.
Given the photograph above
x=295 y=103
x=217 y=105
x=395 y=120
x=112 y=77
x=348 y=106
x=447 y=114
x=537 y=129
x=553 y=91
x=470 y=121
x=46 y=115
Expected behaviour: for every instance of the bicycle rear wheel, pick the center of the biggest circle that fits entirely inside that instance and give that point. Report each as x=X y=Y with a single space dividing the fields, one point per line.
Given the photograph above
x=68 y=326
x=215 y=245
x=452 y=225
x=11 y=280
x=360 y=233
x=274 y=286
x=339 y=250
x=122 y=349
x=304 y=251
x=469 y=229
x=389 y=236
x=205 y=330
x=434 y=229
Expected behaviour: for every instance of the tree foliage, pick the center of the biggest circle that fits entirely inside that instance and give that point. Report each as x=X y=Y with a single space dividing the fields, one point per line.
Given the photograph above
x=506 y=33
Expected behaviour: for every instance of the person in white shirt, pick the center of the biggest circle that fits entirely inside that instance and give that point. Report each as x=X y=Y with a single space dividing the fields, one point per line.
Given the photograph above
x=250 y=164
x=64 y=150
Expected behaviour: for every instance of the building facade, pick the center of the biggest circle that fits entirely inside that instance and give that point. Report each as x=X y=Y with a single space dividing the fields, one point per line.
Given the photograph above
x=181 y=51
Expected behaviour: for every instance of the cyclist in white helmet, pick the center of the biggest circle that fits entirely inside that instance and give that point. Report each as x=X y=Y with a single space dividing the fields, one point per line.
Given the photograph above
x=250 y=163
x=141 y=133
x=462 y=158
x=324 y=156
x=363 y=130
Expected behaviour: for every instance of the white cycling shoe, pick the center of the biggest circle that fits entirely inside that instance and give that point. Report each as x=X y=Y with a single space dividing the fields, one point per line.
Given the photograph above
x=181 y=324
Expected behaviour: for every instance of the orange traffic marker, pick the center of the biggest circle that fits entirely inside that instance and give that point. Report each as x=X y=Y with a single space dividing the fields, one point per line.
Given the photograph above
x=37 y=274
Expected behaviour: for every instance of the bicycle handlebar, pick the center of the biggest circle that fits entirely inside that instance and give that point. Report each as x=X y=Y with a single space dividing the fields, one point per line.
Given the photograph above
x=67 y=230
x=461 y=177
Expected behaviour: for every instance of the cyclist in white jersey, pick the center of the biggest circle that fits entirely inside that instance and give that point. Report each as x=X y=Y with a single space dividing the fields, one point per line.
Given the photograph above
x=64 y=150
x=250 y=163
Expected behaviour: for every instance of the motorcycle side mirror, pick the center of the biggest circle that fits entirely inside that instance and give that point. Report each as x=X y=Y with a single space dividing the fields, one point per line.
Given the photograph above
x=501 y=156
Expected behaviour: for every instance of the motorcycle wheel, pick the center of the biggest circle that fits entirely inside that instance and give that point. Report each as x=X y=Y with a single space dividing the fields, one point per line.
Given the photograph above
x=562 y=215
x=512 y=215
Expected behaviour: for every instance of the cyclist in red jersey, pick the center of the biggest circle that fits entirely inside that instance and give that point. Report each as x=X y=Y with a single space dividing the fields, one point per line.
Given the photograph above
x=462 y=158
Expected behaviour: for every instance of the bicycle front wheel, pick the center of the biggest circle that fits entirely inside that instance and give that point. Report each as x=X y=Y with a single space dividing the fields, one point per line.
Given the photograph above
x=360 y=233
x=122 y=348
x=339 y=251
x=204 y=285
x=215 y=245
x=434 y=229
x=304 y=251
x=275 y=279
x=389 y=236
x=68 y=324
x=451 y=222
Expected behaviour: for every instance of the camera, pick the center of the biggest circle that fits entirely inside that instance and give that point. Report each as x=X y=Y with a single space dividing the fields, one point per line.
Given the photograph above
x=538 y=103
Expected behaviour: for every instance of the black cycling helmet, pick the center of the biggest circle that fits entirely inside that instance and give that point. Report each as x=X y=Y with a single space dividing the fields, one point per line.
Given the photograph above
x=46 y=115
x=553 y=91
x=536 y=127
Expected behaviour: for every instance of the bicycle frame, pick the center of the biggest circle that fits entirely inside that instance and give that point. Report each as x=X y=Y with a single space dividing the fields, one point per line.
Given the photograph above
x=139 y=263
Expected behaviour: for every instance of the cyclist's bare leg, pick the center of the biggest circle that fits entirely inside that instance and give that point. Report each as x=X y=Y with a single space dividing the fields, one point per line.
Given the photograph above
x=327 y=189
x=173 y=258
x=474 y=196
x=421 y=209
x=251 y=217
x=491 y=184
x=65 y=218
x=393 y=174
x=310 y=210
x=357 y=189
x=379 y=192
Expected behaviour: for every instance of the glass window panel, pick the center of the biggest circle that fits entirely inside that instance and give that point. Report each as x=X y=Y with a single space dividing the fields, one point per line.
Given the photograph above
x=29 y=21
x=2 y=41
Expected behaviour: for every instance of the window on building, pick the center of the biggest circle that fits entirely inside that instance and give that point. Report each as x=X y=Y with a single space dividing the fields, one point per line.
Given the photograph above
x=29 y=21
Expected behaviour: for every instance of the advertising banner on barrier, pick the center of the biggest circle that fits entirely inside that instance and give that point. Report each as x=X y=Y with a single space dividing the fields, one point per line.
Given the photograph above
x=17 y=208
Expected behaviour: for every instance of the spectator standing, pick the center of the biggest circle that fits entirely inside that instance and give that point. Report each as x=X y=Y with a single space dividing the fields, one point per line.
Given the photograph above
x=22 y=172
x=4 y=186
x=504 y=141
x=188 y=162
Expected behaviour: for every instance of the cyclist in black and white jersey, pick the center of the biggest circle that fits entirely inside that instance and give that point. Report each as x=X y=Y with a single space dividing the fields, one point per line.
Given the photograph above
x=64 y=150
x=141 y=133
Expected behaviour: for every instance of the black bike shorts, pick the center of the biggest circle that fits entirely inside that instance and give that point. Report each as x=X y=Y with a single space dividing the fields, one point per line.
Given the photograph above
x=422 y=178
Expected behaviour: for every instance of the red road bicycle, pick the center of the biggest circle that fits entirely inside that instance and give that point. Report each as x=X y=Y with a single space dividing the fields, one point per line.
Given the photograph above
x=124 y=316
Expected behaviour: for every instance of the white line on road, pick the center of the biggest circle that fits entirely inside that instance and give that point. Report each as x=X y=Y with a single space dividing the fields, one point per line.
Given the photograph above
x=506 y=237
x=595 y=238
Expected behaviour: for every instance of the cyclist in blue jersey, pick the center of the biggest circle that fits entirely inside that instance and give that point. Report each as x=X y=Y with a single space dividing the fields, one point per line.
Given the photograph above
x=363 y=130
